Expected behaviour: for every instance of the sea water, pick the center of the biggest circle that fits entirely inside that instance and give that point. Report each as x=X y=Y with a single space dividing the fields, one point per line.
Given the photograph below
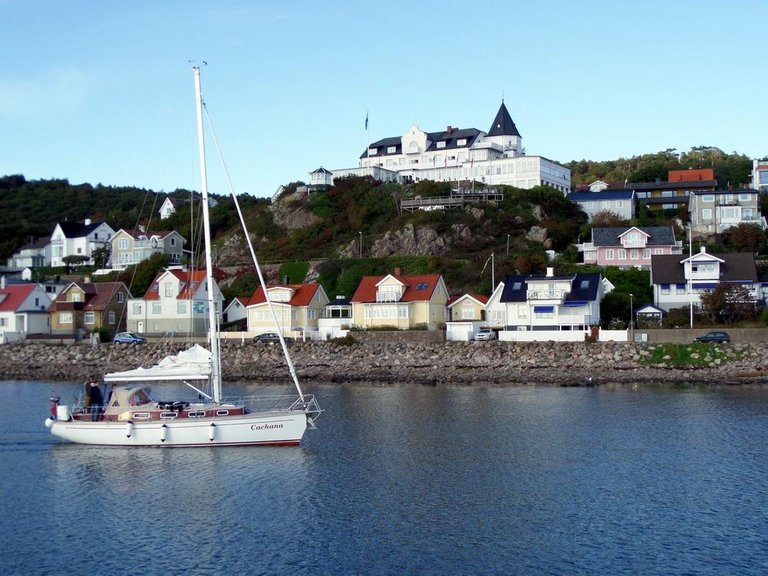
x=407 y=480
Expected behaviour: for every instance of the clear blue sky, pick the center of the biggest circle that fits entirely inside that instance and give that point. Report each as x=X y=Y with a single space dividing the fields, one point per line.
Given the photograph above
x=102 y=91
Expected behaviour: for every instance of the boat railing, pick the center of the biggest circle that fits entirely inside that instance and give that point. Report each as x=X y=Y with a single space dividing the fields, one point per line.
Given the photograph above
x=264 y=402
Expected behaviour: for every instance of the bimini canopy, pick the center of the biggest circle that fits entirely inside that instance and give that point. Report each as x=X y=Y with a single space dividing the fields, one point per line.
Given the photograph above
x=191 y=364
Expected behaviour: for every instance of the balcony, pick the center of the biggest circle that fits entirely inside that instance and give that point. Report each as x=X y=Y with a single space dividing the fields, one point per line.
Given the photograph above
x=544 y=294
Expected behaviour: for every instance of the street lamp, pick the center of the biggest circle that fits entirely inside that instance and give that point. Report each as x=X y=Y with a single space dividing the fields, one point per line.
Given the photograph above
x=631 y=319
x=360 y=244
x=507 y=246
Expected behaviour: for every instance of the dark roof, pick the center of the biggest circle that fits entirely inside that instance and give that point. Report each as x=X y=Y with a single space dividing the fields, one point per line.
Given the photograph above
x=657 y=235
x=503 y=124
x=77 y=229
x=736 y=267
x=680 y=185
x=602 y=195
x=584 y=286
x=739 y=191
x=451 y=138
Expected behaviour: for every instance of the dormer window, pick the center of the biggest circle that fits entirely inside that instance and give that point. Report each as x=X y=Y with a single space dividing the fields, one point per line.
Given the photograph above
x=441 y=144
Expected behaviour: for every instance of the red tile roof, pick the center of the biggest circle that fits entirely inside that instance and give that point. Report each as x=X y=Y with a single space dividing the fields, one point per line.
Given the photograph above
x=691 y=175
x=13 y=296
x=191 y=280
x=302 y=295
x=97 y=294
x=418 y=287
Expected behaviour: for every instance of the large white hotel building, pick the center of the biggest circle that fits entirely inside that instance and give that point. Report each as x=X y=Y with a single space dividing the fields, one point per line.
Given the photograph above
x=455 y=154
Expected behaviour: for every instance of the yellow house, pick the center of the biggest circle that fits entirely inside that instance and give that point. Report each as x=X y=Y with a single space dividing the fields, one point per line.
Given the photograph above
x=297 y=307
x=468 y=306
x=400 y=301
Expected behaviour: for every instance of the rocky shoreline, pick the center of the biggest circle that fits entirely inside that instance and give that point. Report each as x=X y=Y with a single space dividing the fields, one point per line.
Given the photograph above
x=446 y=363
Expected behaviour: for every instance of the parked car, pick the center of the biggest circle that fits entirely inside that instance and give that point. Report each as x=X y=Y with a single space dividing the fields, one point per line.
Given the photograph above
x=270 y=337
x=715 y=336
x=128 y=338
x=485 y=334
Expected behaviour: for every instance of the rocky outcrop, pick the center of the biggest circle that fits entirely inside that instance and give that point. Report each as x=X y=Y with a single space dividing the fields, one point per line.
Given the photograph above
x=458 y=363
x=410 y=241
x=290 y=214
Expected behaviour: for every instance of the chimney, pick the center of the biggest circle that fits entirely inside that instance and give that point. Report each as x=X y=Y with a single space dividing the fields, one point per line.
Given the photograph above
x=2 y=282
x=550 y=272
x=397 y=271
x=87 y=222
x=703 y=249
x=449 y=129
x=86 y=279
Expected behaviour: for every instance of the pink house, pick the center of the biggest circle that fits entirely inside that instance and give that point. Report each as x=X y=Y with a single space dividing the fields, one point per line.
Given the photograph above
x=630 y=246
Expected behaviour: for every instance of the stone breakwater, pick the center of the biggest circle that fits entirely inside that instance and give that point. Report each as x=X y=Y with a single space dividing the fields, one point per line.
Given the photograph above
x=455 y=363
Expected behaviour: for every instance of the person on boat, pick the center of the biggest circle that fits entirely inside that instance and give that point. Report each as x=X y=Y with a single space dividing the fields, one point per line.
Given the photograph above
x=87 y=394
x=94 y=393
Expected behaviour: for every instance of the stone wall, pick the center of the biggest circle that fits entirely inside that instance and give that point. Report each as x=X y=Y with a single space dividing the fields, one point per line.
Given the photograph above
x=477 y=363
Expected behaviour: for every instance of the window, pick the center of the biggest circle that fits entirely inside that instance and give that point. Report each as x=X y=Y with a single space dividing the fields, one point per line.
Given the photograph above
x=646 y=253
x=634 y=254
x=65 y=317
x=76 y=297
x=622 y=254
x=461 y=142
x=391 y=149
x=708 y=198
x=120 y=297
x=706 y=214
x=157 y=308
x=123 y=244
x=89 y=318
x=665 y=289
x=609 y=254
x=181 y=307
x=745 y=197
x=136 y=308
x=169 y=290
x=441 y=144
x=680 y=289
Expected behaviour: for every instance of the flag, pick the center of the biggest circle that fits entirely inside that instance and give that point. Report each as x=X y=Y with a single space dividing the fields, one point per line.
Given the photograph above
x=486 y=264
x=366 y=120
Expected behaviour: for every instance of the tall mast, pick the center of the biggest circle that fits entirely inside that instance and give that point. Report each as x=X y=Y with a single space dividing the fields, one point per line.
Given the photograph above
x=212 y=325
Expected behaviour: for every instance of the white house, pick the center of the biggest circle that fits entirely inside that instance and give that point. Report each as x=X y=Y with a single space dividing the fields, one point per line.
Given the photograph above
x=621 y=202
x=31 y=255
x=168 y=207
x=236 y=310
x=454 y=154
x=74 y=239
x=546 y=303
x=715 y=211
x=23 y=310
x=176 y=302
x=679 y=281
x=132 y=246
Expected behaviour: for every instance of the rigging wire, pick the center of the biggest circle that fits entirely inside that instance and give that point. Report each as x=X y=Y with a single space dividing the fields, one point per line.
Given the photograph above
x=232 y=192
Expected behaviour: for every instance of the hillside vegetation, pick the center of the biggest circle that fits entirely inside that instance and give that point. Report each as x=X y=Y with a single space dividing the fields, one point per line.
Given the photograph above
x=356 y=227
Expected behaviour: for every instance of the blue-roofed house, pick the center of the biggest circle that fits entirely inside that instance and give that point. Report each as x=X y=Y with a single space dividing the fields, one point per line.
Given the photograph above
x=621 y=202
x=546 y=303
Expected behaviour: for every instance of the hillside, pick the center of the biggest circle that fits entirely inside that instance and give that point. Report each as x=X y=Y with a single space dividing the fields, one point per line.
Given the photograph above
x=356 y=227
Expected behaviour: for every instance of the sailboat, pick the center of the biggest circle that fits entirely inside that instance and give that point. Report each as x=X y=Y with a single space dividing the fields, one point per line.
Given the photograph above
x=132 y=417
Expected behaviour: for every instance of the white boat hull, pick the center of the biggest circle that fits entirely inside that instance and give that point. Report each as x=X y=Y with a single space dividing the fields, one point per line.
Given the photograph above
x=278 y=429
